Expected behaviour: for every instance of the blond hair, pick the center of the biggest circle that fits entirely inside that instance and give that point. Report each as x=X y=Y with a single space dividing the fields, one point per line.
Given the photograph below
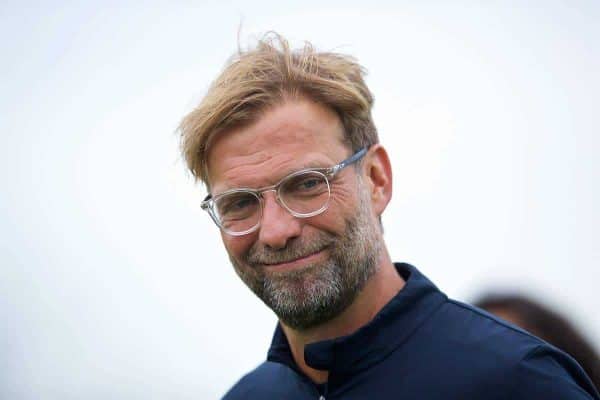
x=262 y=77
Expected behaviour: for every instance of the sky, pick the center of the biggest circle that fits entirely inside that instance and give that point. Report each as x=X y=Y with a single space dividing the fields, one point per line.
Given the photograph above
x=114 y=283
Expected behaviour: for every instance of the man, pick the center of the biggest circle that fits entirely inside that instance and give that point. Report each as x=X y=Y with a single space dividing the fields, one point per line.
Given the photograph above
x=298 y=181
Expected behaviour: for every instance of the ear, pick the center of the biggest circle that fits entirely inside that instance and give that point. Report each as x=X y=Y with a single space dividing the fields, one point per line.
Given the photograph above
x=378 y=173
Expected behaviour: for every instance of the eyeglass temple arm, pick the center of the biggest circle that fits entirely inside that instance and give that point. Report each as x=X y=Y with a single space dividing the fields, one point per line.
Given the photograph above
x=355 y=157
x=204 y=204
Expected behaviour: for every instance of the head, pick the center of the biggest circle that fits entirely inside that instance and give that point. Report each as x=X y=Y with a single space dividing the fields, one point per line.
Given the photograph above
x=274 y=111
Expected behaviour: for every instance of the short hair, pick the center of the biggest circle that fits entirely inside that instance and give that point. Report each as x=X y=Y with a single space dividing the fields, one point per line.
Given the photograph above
x=268 y=74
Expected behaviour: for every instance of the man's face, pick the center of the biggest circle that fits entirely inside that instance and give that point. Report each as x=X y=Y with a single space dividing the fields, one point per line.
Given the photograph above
x=307 y=270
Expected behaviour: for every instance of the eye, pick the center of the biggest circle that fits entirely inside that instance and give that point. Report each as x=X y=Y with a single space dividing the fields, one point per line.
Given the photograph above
x=236 y=205
x=308 y=184
x=240 y=204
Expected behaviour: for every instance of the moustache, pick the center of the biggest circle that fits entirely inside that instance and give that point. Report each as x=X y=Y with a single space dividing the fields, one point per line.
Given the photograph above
x=262 y=255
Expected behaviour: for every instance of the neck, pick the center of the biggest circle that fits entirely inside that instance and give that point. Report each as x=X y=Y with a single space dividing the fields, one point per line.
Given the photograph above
x=378 y=291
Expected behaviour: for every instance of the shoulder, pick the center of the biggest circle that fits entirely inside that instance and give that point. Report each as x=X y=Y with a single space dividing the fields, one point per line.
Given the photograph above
x=546 y=372
x=268 y=380
x=501 y=353
x=479 y=333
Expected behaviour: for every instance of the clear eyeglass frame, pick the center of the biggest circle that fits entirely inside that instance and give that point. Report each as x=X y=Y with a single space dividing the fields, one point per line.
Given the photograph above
x=208 y=204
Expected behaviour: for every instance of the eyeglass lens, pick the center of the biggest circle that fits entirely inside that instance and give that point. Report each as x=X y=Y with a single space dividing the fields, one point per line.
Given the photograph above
x=302 y=194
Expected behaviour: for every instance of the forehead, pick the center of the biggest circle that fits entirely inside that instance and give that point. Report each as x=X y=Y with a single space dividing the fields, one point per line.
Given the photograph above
x=288 y=137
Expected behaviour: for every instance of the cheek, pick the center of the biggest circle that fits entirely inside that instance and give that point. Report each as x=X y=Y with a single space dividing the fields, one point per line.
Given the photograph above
x=237 y=246
x=343 y=195
x=343 y=205
x=344 y=200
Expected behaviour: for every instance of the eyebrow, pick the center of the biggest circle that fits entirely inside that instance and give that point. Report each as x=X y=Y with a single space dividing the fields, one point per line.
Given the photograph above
x=309 y=165
x=314 y=164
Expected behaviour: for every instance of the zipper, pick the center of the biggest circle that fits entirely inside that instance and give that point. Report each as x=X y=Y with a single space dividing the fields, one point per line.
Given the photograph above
x=325 y=390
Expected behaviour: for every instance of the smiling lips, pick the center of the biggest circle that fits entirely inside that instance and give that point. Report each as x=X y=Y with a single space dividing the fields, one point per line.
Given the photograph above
x=296 y=263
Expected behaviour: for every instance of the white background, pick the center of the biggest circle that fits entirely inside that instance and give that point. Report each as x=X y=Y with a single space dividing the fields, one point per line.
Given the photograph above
x=114 y=284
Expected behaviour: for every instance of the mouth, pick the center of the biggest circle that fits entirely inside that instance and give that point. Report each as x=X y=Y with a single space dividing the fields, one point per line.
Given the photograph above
x=297 y=262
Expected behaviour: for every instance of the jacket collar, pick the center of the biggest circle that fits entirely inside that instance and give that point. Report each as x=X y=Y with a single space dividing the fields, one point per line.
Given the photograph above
x=396 y=321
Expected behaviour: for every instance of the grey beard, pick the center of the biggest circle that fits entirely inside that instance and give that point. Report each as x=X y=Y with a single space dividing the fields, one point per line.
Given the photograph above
x=310 y=296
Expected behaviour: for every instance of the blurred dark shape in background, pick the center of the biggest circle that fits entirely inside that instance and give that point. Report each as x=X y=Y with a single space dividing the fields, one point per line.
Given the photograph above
x=545 y=324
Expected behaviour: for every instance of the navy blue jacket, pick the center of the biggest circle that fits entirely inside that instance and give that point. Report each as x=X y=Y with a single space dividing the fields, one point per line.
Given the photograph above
x=422 y=346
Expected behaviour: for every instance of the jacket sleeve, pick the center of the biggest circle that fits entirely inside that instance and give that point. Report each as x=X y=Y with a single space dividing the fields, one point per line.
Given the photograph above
x=549 y=374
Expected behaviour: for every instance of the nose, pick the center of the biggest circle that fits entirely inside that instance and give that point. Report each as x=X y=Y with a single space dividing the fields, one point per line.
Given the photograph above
x=277 y=225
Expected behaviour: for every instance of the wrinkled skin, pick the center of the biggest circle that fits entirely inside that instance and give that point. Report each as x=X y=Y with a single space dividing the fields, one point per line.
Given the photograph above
x=307 y=270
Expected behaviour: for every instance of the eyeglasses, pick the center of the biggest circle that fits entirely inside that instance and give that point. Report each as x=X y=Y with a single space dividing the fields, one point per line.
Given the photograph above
x=303 y=193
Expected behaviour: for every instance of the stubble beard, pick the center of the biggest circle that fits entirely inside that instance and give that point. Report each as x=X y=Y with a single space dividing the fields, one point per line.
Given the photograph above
x=310 y=296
